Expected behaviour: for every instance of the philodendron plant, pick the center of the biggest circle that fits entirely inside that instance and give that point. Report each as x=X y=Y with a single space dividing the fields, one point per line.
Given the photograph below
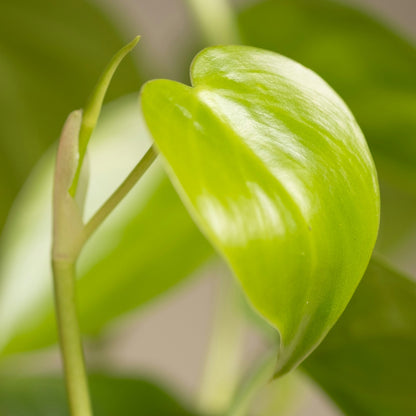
x=273 y=169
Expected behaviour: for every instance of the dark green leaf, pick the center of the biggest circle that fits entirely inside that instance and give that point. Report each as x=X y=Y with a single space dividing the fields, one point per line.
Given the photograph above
x=110 y=396
x=367 y=361
x=275 y=170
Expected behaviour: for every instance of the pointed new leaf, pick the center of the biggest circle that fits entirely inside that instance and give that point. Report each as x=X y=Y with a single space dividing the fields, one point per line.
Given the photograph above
x=51 y=53
x=93 y=107
x=276 y=172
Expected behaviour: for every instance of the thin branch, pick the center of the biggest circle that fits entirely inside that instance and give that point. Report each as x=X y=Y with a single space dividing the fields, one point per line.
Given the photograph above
x=118 y=195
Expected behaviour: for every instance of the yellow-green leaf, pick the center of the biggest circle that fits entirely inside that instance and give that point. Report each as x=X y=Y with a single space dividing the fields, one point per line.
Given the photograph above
x=276 y=172
x=373 y=68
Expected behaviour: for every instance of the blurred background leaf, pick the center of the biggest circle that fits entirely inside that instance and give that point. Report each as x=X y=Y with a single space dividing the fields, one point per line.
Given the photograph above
x=51 y=53
x=367 y=362
x=111 y=395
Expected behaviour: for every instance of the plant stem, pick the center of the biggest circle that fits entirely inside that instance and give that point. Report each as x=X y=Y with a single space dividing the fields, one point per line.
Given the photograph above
x=119 y=193
x=70 y=338
x=262 y=374
x=223 y=360
x=216 y=21
x=63 y=265
x=70 y=233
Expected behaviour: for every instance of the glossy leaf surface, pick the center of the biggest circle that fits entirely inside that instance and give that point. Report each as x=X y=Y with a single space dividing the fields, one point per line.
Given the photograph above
x=110 y=396
x=367 y=361
x=276 y=172
x=51 y=53
x=373 y=69
x=122 y=260
x=366 y=62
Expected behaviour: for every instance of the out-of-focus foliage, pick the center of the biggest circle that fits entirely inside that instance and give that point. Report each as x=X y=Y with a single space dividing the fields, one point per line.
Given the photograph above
x=111 y=395
x=271 y=164
x=50 y=55
x=372 y=69
x=146 y=247
x=367 y=361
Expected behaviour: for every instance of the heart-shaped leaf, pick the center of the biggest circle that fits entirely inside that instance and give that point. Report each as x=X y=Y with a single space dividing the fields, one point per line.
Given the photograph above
x=276 y=172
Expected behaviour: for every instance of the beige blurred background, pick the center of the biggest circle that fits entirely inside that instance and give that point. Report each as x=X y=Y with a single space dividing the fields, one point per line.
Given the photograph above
x=166 y=25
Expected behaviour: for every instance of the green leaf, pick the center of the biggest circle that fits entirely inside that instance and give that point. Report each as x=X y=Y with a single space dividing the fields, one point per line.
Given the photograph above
x=92 y=109
x=367 y=63
x=373 y=69
x=367 y=361
x=111 y=395
x=51 y=53
x=275 y=171
x=122 y=260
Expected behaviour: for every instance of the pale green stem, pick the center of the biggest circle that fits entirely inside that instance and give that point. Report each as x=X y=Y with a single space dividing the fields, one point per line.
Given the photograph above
x=64 y=283
x=260 y=376
x=119 y=193
x=70 y=338
x=216 y=21
x=70 y=233
x=223 y=360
